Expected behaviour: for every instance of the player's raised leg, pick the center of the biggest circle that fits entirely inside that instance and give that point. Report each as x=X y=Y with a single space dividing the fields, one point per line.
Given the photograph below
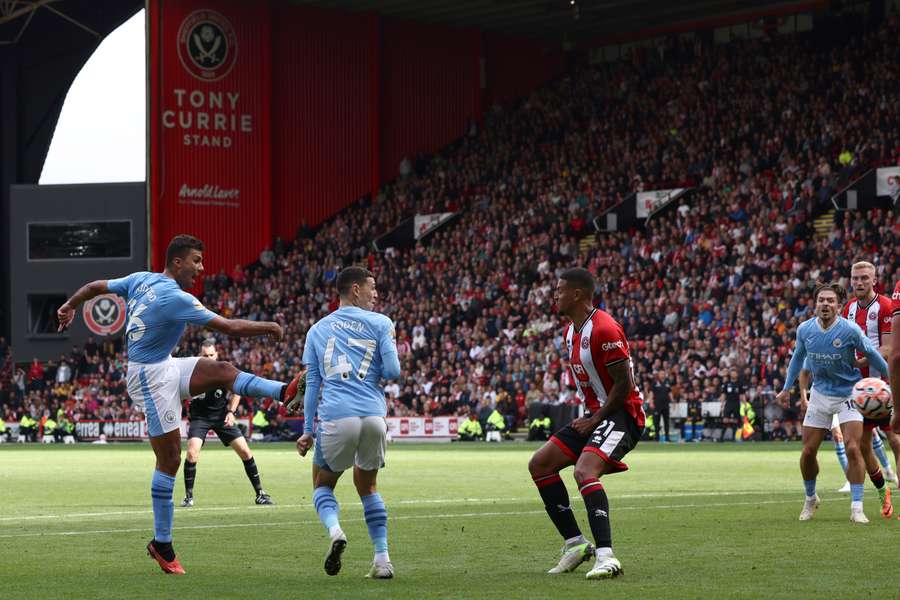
x=809 y=466
x=544 y=467
x=211 y=374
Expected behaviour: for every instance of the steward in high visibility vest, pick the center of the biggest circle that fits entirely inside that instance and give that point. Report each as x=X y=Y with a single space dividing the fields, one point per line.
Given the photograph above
x=470 y=429
x=539 y=429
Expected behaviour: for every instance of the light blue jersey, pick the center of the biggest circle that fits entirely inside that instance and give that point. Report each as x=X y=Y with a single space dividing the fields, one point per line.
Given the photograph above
x=347 y=354
x=830 y=354
x=158 y=311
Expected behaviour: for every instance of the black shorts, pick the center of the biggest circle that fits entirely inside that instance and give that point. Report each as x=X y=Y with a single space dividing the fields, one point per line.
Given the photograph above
x=198 y=428
x=883 y=424
x=731 y=410
x=612 y=440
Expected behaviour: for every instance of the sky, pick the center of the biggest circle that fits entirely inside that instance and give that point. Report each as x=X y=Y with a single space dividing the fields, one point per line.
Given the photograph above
x=101 y=134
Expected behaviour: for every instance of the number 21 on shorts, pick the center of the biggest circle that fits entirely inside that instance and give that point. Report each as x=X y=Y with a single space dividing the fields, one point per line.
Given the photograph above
x=603 y=430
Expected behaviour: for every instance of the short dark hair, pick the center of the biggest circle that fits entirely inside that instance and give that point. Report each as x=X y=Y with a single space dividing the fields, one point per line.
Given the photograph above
x=181 y=245
x=350 y=276
x=579 y=278
x=831 y=286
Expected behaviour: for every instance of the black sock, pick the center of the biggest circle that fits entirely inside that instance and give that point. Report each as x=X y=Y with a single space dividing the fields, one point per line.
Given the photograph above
x=281 y=397
x=598 y=511
x=253 y=474
x=556 y=503
x=190 y=473
x=165 y=550
x=877 y=478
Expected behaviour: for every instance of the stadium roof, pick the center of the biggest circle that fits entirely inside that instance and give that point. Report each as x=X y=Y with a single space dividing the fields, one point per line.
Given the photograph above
x=579 y=20
x=43 y=46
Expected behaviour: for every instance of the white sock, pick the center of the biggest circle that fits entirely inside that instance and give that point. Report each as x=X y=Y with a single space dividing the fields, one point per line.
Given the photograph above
x=603 y=553
x=335 y=531
x=574 y=541
x=382 y=558
x=857 y=505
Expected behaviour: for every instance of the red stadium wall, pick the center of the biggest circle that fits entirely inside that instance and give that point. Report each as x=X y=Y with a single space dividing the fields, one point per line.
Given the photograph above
x=209 y=133
x=319 y=108
x=324 y=105
x=515 y=66
x=430 y=89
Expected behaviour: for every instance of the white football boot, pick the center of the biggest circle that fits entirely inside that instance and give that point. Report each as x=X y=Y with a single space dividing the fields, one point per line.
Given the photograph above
x=381 y=571
x=858 y=516
x=605 y=568
x=572 y=557
x=809 y=508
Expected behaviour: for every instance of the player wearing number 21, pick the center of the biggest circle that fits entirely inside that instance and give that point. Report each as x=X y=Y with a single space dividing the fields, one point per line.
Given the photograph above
x=346 y=355
x=596 y=443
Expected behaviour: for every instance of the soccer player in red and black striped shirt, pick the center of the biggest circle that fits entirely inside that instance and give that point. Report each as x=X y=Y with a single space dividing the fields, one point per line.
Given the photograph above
x=597 y=442
x=872 y=312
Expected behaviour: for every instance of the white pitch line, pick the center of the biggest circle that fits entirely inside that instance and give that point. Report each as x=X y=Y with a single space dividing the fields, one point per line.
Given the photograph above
x=197 y=510
x=400 y=518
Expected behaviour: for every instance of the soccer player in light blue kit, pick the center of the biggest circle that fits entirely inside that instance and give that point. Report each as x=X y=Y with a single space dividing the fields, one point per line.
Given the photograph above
x=158 y=311
x=830 y=343
x=347 y=354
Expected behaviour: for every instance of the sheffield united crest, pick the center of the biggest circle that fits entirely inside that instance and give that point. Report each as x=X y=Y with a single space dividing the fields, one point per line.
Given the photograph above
x=104 y=315
x=207 y=45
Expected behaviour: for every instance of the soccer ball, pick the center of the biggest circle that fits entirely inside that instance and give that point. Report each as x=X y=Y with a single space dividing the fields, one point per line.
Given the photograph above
x=872 y=397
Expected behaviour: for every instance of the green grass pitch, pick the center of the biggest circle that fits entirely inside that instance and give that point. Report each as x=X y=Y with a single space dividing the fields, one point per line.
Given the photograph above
x=688 y=521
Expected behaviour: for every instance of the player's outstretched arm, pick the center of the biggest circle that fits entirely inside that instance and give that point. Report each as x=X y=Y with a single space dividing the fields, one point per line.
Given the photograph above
x=245 y=328
x=66 y=312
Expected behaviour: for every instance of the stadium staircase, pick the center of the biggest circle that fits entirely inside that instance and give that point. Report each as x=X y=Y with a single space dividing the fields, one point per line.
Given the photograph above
x=586 y=243
x=824 y=224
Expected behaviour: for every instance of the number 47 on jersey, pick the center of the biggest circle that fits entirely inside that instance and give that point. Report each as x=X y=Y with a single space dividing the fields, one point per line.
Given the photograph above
x=343 y=366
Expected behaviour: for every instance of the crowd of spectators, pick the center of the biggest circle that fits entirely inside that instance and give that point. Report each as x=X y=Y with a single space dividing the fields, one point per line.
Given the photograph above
x=764 y=130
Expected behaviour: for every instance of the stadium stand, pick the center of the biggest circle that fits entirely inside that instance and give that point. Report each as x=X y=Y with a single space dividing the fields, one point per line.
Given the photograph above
x=765 y=131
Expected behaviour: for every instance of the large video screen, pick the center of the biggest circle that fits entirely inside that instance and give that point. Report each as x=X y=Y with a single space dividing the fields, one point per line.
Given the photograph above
x=79 y=241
